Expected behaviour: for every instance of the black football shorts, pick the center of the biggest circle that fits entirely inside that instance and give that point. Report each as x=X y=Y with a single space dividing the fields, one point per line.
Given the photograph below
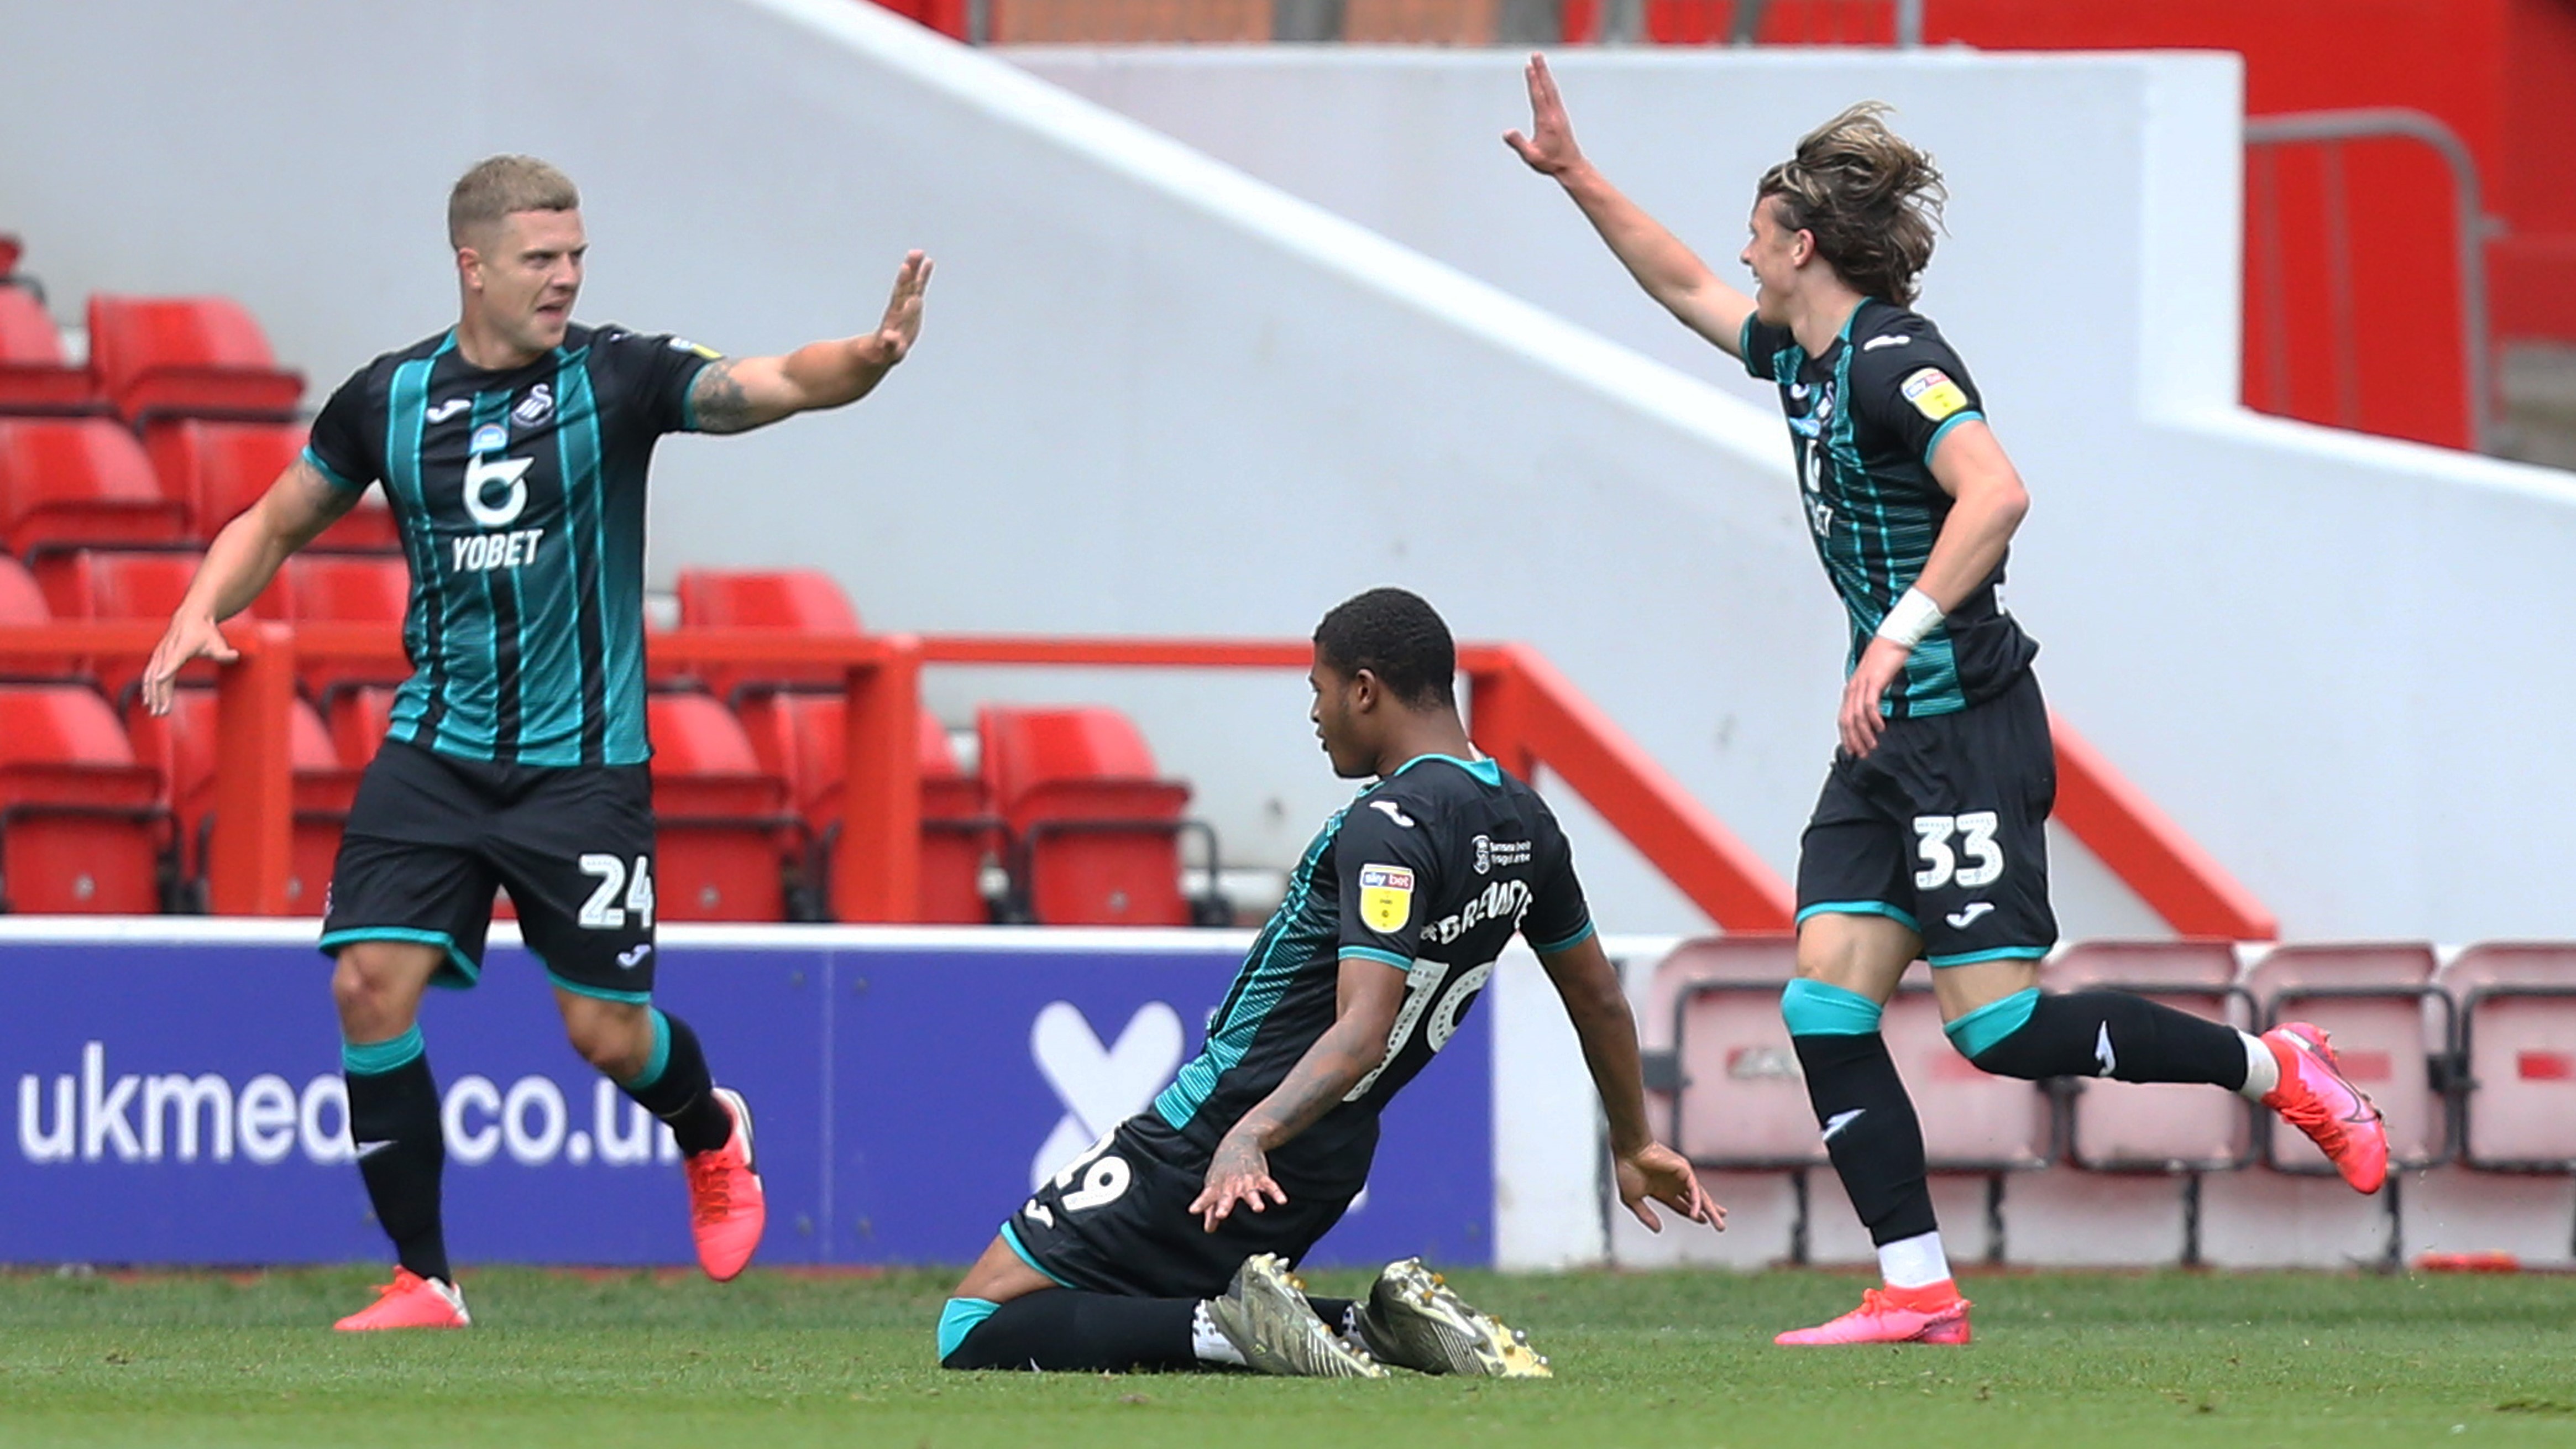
x=430 y=836
x=1943 y=827
x=1117 y=1219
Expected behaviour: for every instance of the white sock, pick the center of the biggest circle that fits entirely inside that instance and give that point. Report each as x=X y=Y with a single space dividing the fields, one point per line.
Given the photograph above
x=2262 y=1069
x=1915 y=1262
x=1209 y=1342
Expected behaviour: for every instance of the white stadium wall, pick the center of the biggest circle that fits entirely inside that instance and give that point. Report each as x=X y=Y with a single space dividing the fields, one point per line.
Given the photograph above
x=2321 y=652
x=1157 y=395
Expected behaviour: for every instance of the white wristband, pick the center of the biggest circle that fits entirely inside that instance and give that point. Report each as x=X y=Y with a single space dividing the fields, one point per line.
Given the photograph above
x=1914 y=616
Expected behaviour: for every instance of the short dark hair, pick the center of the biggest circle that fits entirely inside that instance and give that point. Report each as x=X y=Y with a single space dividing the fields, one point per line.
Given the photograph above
x=1396 y=636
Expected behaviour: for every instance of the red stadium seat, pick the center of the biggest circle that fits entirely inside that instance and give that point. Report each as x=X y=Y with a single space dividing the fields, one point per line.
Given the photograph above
x=104 y=584
x=1720 y=1060
x=2392 y=1030
x=348 y=589
x=2517 y=1062
x=221 y=468
x=76 y=482
x=722 y=820
x=2138 y=1127
x=1972 y=1121
x=22 y=601
x=1095 y=832
x=1742 y=1100
x=181 y=745
x=33 y=376
x=358 y=719
x=804 y=600
x=801 y=739
x=80 y=826
x=165 y=357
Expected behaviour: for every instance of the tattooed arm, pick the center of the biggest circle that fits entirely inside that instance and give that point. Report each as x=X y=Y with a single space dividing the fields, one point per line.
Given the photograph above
x=1365 y=1004
x=737 y=394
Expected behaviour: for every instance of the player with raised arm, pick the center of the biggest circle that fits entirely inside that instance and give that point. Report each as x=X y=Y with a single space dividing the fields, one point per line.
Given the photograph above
x=1168 y=1244
x=514 y=447
x=1929 y=838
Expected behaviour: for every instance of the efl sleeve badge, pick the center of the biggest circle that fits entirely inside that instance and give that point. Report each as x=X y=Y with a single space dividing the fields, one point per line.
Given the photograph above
x=1386 y=897
x=1933 y=394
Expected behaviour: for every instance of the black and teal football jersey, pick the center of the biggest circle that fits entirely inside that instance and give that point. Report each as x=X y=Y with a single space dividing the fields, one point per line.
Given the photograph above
x=1865 y=416
x=520 y=499
x=1429 y=872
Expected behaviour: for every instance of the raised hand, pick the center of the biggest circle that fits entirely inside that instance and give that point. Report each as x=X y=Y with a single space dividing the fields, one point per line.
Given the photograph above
x=1656 y=1173
x=902 y=324
x=190 y=636
x=1549 y=148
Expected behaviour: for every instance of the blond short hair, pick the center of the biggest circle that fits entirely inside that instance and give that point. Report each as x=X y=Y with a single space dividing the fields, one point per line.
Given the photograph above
x=501 y=185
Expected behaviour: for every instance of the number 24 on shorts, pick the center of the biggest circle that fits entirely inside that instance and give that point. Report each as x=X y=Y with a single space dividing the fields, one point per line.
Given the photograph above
x=601 y=912
x=1975 y=830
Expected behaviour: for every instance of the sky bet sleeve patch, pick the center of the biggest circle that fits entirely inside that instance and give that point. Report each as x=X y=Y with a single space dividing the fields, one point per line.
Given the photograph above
x=1933 y=394
x=1386 y=896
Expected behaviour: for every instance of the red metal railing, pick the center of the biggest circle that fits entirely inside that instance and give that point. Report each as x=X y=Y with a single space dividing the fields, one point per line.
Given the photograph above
x=1522 y=711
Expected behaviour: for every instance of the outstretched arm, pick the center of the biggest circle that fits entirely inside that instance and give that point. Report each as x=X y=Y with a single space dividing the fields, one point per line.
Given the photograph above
x=240 y=563
x=1648 y=1170
x=1669 y=271
x=1367 y=997
x=737 y=394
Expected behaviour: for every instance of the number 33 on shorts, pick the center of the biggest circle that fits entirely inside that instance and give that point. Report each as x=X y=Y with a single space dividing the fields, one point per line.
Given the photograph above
x=1975 y=832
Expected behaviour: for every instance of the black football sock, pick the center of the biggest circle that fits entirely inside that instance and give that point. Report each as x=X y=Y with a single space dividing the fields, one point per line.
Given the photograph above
x=675 y=1087
x=1068 y=1330
x=2099 y=1034
x=393 y=1120
x=1870 y=1129
x=1339 y=1314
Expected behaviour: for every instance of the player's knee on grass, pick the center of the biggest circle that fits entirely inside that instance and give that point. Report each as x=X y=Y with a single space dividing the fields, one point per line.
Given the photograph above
x=958 y=1320
x=1067 y=1330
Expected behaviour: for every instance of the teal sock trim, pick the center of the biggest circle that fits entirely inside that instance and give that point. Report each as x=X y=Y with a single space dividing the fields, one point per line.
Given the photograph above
x=959 y=1319
x=1992 y=1022
x=375 y=1058
x=1013 y=1238
x=1814 y=1009
x=658 y=1058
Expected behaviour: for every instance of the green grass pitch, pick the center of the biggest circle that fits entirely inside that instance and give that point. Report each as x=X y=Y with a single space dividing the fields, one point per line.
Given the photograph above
x=1674 y=1360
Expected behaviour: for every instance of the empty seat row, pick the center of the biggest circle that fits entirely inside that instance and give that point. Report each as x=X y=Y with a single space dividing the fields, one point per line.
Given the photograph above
x=2468 y=1061
x=88 y=483
x=112 y=584
x=150 y=358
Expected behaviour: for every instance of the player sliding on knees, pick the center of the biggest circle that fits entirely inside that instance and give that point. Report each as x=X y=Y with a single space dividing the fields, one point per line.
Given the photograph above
x=1169 y=1243
x=513 y=447
x=1929 y=838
